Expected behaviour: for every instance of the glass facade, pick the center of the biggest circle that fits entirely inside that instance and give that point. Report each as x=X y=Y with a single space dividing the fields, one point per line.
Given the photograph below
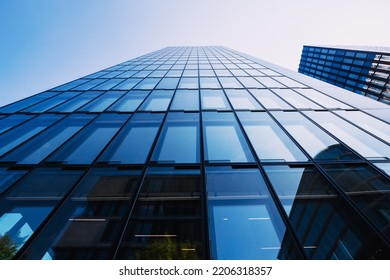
x=194 y=153
x=364 y=71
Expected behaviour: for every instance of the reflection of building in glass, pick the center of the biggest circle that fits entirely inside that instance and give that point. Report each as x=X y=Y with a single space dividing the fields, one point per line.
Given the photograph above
x=364 y=70
x=194 y=153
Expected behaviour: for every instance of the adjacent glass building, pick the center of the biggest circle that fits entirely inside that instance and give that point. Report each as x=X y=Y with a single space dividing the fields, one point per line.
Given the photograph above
x=363 y=70
x=195 y=153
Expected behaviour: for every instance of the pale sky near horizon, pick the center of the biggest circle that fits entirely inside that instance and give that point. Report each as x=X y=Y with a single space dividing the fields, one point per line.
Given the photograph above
x=45 y=43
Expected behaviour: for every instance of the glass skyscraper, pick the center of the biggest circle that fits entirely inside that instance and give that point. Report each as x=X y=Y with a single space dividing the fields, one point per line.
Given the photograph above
x=363 y=70
x=195 y=153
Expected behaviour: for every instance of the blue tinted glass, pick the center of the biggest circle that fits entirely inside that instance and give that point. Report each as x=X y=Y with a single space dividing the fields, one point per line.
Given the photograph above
x=50 y=103
x=223 y=139
x=129 y=102
x=102 y=102
x=269 y=99
x=128 y=84
x=185 y=100
x=214 y=99
x=41 y=146
x=250 y=82
x=188 y=83
x=77 y=102
x=8 y=177
x=147 y=83
x=71 y=85
x=12 y=120
x=17 y=106
x=90 y=84
x=89 y=142
x=297 y=100
x=132 y=145
x=18 y=135
x=268 y=139
x=230 y=82
x=158 y=100
x=211 y=83
x=179 y=139
x=244 y=221
x=168 y=83
x=109 y=84
x=158 y=74
x=242 y=100
x=127 y=74
x=24 y=208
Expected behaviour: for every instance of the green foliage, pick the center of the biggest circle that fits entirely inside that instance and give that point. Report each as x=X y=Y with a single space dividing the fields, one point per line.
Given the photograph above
x=168 y=249
x=7 y=248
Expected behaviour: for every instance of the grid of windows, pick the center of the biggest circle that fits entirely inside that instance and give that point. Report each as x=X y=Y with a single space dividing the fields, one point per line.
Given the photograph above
x=193 y=153
x=365 y=72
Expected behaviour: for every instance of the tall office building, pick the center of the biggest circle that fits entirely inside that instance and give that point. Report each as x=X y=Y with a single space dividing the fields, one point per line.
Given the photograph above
x=195 y=153
x=363 y=70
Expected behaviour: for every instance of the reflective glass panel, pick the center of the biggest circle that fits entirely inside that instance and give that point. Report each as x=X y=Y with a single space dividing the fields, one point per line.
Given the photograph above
x=324 y=100
x=325 y=224
x=244 y=221
x=211 y=83
x=102 y=102
x=39 y=147
x=129 y=102
x=168 y=83
x=18 y=135
x=363 y=143
x=250 y=82
x=230 y=82
x=8 y=177
x=367 y=188
x=242 y=100
x=166 y=222
x=269 y=99
x=297 y=100
x=77 y=102
x=268 y=139
x=89 y=224
x=214 y=100
x=313 y=139
x=186 y=100
x=89 y=142
x=25 y=207
x=51 y=102
x=223 y=139
x=188 y=83
x=90 y=84
x=132 y=145
x=179 y=139
x=147 y=83
x=12 y=120
x=128 y=84
x=109 y=84
x=269 y=82
x=158 y=100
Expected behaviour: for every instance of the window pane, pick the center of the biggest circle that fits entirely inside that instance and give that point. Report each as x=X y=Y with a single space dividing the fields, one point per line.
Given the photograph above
x=147 y=83
x=88 y=225
x=322 y=99
x=128 y=84
x=360 y=141
x=109 y=84
x=269 y=99
x=129 y=102
x=223 y=139
x=102 y=102
x=167 y=215
x=297 y=100
x=242 y=100
x=230 y=82
x=8 y=177
x=186 y=100
x=18 y=135
x=326 y=226
x=132 y=145
x=211 y=83
x=12 y=121
x=158 y=100
x=214 y=99
x=314 y=140
x=168 y=83
x=86 y=145
x=373 y=125
x=269 y=82
x=179 y=139
x=190 y=73
x=71 y=85
x=39 y=147
x=367 y=188
x=24 y=208
x=90 y=84
x=188 y=83
x=244 y=221
x=268 y=139
x=250 y=82
x=77 y=102
x=51 y=102
x=289 y=82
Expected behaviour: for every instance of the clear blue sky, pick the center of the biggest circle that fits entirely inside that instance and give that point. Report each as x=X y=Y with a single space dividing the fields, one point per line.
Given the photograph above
x=45 y=43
